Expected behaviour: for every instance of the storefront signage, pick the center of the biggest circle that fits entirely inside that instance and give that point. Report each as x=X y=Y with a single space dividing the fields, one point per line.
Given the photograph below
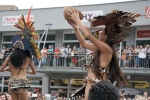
x=90 y=14
x=10 y=20
x=147 y=12
x=143 y=34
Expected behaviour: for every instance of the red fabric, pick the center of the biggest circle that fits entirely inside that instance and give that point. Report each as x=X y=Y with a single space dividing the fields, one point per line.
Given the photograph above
x=74 y=61
x=56 y=51
x=36 y=90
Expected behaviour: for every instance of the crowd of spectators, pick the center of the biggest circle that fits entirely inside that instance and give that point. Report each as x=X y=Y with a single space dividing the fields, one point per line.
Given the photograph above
x=134 y=57
x=128 y=56
x=144 y=96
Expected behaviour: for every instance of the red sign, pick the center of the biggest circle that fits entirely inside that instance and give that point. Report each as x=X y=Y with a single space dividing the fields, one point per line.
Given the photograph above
x=143 y=34
x=147 y=12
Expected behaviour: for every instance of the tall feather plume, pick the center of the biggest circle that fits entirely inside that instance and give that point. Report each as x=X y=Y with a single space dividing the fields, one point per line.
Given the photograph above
x=28 y=34
x=123 y=20
x=28 y=18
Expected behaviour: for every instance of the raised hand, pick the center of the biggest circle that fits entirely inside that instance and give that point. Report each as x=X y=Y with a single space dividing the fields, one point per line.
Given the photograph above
x=74 y=15
x=73 y=24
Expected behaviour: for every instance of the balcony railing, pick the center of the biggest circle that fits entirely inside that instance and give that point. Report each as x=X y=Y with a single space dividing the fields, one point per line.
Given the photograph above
x=76 y=61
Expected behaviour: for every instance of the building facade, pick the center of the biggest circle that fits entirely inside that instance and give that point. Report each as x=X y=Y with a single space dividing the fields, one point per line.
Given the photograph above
x=8 y=7
x=60 y=32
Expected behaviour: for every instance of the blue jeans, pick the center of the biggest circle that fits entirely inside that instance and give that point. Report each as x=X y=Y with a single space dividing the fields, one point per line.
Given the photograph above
x=44 y=61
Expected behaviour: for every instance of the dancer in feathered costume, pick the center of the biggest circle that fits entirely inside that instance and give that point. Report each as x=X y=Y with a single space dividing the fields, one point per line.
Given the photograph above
x=21 y=58
x=104 y=66
x=28 y=30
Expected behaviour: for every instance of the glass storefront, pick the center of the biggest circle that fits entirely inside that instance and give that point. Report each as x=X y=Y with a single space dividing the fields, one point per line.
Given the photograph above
x=76 y=83
x=59 y=82
x=139 y=84
x=36 y=81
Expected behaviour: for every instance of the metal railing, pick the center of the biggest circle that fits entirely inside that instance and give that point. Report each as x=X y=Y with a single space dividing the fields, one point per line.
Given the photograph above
x=130 y=61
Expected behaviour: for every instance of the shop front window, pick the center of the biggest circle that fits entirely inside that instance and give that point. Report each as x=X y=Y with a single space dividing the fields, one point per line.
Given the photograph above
x=76 y=82
x=59 y=82
x=139 y=84
x=36 y=81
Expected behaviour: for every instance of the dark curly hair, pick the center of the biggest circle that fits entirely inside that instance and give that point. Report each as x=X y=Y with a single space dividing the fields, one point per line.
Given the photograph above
x=103 y=90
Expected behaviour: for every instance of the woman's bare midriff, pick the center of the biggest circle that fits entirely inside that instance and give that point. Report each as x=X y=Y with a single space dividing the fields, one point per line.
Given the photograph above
x=20 y=72
x=90 y=74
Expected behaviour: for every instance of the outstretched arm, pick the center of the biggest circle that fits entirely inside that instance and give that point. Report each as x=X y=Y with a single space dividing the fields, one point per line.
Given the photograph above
x=4 y=64
x=102 y=46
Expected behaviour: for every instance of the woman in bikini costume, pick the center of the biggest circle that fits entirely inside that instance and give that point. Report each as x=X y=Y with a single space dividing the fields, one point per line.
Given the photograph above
x=20 y=59
x=104 y=65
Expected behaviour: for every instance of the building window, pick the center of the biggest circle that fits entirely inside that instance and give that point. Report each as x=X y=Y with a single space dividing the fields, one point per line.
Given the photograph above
x=7 y=38
x=142 y=42
x=1 y=89
x=36 y=81
x=70 y=37
x=49 y=37
x=59 y=82
x=76 y=83
x=0 y=80
x=47 y=45
x=5 y=80
x=5 y=89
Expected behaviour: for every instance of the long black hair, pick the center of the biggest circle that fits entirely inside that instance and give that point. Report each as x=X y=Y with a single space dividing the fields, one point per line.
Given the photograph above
x=115 y=73
x=18 y=57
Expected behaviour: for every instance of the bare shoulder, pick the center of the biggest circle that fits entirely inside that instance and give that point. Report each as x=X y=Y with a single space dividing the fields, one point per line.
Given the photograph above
x=29 y=60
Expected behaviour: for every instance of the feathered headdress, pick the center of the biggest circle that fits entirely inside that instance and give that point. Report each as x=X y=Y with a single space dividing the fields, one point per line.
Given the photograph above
x=117 y=24
x=28 y=34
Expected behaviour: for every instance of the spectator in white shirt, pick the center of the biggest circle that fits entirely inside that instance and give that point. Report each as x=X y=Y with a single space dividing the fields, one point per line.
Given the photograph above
x=142 y=56
x=62 y=58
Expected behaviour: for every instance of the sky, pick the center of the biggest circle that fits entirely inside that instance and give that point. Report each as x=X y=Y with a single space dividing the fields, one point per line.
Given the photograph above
x=26 y=4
